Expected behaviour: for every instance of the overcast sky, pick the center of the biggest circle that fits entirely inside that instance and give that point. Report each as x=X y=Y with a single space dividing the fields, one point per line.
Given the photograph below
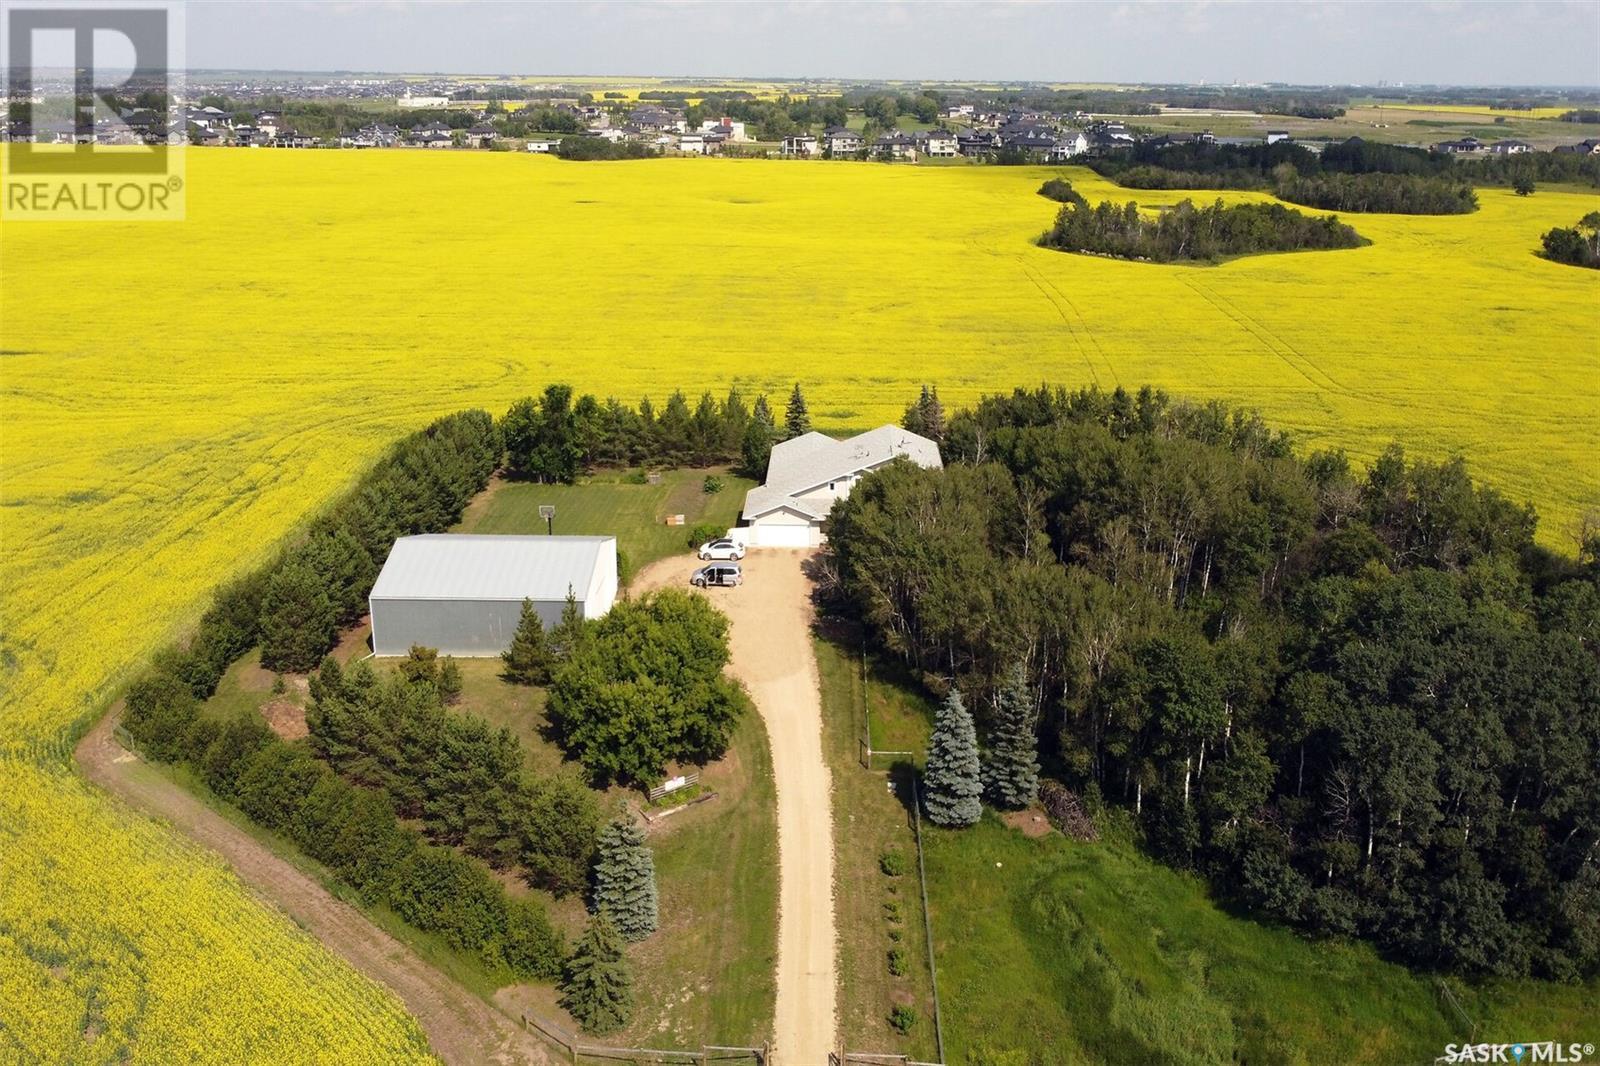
x=1542 y=42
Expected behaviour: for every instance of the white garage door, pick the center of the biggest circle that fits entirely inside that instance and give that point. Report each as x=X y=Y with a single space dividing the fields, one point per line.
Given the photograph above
x=783 y=535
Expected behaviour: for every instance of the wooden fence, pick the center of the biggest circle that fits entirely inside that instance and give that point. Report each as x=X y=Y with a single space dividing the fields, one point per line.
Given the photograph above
x=579 y=1052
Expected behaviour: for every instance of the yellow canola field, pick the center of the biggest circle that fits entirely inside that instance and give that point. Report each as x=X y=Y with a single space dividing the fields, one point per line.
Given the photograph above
x=174 y=398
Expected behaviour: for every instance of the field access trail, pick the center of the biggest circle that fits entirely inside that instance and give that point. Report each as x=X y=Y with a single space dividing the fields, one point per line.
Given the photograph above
x=770 y=642
x=461 y=1028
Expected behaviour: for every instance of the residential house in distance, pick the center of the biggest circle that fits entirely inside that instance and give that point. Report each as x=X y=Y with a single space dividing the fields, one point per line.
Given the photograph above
x=1465 y=146
x=977 y=142
x=937 y=143
x=1589 y=147
x=269 y=122
x=373 y=135
x=730 y=129
x=1068 y=145
x=545 y=147
x=481 y=135
x=806 y=474
x=433 y=135
x=653 y=119
x=1278 y=136
x=959 y=111
x=800 y=146
x=1510 y=147
x=691 y=144
x=841 y=141
x=895 y=146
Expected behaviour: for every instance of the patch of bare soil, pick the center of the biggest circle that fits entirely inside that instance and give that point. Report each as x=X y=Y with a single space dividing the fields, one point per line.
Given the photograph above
x=285 y=718
x=1030 y=823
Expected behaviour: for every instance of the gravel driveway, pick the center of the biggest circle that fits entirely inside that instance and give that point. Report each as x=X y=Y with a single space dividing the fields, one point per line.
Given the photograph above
x=772 y=655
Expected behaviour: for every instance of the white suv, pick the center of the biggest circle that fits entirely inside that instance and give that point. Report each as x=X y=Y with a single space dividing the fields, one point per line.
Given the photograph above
x=724 y=549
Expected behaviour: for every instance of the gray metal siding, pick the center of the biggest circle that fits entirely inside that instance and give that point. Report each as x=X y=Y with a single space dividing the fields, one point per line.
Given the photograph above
x=464 y=628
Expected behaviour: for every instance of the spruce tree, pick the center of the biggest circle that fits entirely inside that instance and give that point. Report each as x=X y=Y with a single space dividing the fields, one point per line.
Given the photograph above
x=568 y=635
x=796 y=419
x=759 y=434
x=952 y=781
x=598 y=987
x=528 y=659
x=1014 y=754
x=932 y=415
x=449 y=681
x=625 y=879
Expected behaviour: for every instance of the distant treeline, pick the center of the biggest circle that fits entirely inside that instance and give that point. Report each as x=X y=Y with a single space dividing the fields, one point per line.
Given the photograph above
x=292 y=607
x=1582 y=114
x=1575 y=245
x=1186 y=233
x=1364 y=703
x=1355 y=175
x=589 y=148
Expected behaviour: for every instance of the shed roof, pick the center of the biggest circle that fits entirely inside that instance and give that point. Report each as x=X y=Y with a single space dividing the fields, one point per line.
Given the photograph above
x=474 y=566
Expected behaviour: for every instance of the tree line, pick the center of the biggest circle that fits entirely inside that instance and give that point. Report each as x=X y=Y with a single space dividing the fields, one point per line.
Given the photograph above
x=1363 y=703
x=1369 y=175
x=1186 y=233
x=556 y=437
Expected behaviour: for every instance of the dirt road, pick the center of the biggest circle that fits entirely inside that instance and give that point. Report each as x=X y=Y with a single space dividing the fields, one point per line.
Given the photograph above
x=771 y=646
x=461 y=1027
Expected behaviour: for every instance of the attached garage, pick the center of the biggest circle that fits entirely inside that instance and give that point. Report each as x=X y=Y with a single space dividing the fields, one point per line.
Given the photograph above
x=783 y=527
x=462 y=593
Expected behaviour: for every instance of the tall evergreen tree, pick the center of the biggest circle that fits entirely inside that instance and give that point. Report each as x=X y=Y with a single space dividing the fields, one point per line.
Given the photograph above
x=735 y=420
x=952 y=781
x=1014 y=754
x=796 y=418
x=673 y=430
x=933 y=422
x=598 y=990
x=567 y=635
x=625 y=880
x=528 y=659
x=298 y=622
x=759 y=434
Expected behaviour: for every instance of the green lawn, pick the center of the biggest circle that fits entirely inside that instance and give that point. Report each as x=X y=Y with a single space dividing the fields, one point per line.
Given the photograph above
x=1064 y=952
x=608 y=503
x=870 y=819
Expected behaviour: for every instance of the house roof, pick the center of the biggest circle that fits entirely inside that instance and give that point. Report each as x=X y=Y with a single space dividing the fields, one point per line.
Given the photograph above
x=813 y=459
x=471 y=566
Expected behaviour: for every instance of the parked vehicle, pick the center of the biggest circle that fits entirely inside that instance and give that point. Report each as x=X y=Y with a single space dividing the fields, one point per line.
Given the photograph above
x=722 y=575
x=722 y=549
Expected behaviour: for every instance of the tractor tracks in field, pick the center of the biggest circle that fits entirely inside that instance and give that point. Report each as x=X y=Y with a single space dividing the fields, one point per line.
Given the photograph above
x=1077 y=325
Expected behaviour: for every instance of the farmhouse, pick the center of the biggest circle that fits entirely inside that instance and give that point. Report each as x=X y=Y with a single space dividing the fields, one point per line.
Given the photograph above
x=463 y=593
x=807 y=473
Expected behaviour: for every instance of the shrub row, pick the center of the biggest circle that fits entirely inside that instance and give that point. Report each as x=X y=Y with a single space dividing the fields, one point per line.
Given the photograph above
x=463 y=779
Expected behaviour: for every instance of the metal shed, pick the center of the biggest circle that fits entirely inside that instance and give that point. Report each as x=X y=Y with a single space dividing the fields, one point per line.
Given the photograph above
x=462 y=593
